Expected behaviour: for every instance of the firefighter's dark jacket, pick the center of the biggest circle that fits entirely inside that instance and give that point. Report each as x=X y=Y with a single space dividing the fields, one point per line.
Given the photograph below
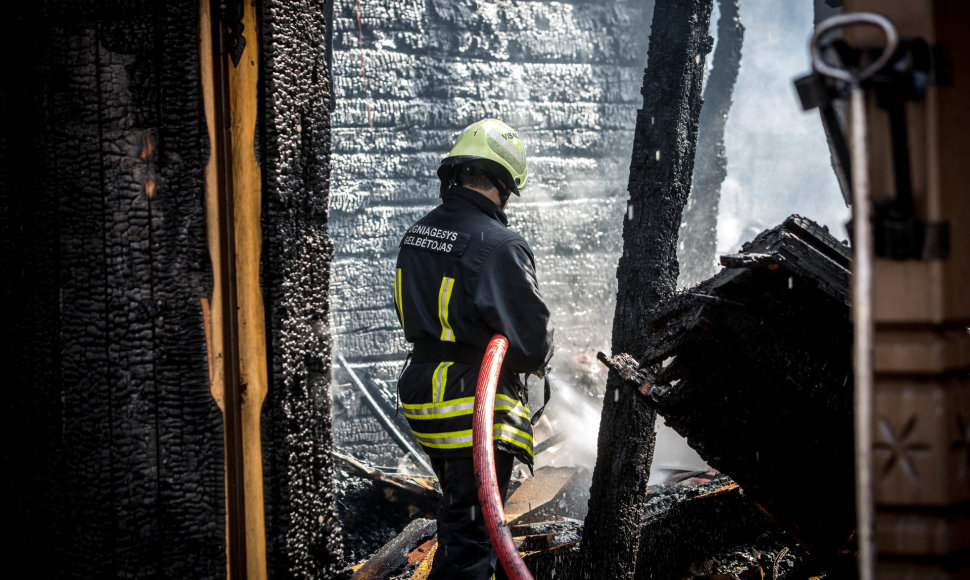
x=462 y=276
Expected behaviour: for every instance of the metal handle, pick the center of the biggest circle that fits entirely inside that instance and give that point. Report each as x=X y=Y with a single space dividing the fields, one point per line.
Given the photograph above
x=843 y=20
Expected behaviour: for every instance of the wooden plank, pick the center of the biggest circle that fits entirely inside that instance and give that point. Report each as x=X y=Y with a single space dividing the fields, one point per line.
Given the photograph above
x=536 y=492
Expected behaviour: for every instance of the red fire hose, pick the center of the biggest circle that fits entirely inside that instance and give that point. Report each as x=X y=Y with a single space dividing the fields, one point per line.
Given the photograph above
x=488 y=494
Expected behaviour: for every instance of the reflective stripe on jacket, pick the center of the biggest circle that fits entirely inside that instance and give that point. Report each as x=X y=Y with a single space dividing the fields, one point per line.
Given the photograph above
x=462 y=275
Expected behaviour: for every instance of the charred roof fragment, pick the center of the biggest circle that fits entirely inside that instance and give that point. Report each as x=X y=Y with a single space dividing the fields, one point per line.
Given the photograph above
x=752 y=366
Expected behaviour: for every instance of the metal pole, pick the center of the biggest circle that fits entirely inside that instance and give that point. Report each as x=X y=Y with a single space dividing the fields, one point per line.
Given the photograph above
x=861 y=270
x=383 y=418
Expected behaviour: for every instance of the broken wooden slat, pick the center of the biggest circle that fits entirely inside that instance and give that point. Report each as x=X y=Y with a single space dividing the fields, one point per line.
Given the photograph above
x=424 y=568
x=395 y=553
x=421 y=486
x=423 y=551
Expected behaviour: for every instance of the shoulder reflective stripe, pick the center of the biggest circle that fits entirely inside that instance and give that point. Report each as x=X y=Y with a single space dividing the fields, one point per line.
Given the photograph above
x=440 y=411
x=451 y=440
x=399 y=296
x=438 y=382
x=516 y=407
x=444 y=296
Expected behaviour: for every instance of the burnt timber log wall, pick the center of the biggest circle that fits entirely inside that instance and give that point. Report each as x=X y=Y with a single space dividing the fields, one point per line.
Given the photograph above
x=565 y=74
x=112 y=444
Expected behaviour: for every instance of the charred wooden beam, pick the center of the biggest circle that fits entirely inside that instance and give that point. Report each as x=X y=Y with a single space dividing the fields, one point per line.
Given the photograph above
x=660 y=177
x=294 y=150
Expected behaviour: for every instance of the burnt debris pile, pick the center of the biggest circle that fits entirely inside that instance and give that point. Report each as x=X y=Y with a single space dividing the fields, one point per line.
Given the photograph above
x=753 y=367
x=711 y=529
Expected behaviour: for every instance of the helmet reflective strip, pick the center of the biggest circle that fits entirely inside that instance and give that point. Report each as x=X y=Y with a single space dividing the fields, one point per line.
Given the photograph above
x=399 y=297
x=499 y=145
x=444 y=296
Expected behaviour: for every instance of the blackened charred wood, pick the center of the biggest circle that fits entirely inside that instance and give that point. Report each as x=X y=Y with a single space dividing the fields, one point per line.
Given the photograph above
x=642 y=379
x=114 y=418
x=750 y=260
x=700 y=521
x=112 y=441
x=699 y=232
x=394 y=554
x=660 y=177
x=763 y=392
x=294 y=149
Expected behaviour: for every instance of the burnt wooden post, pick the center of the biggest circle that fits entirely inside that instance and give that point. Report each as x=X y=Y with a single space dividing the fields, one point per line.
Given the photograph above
x=112 y=444
x=302 y=531
x=699 y=232
x=660 y=177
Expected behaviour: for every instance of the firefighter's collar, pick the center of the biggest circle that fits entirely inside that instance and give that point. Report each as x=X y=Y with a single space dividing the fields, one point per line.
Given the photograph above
x=478 y=200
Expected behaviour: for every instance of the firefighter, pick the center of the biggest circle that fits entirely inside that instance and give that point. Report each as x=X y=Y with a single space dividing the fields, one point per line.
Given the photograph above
x=462 y=276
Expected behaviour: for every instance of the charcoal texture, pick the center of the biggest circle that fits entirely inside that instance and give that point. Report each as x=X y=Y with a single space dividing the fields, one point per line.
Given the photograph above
x=760 y=381
x=303 y=534
x=108 y=109
x=112 y=444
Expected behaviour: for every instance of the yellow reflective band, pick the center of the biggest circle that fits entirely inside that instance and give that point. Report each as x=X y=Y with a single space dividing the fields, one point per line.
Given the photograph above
x=450 y=440
x=513 y=436
x=463 y=406
x=444 y=410
x=399 y=297
x=514 y=406
x=463 y=400
x=444 y=296
x=438 y=381
x=459 y=439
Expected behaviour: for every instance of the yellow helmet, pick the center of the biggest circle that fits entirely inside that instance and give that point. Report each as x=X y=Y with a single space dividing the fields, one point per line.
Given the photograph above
x=492 y=147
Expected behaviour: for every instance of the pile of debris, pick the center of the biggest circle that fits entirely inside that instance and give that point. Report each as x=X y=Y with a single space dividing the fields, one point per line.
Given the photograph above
x=541 y=510
x=753 y=367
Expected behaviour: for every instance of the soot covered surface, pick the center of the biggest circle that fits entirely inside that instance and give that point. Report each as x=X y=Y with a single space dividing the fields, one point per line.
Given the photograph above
x=753 y=367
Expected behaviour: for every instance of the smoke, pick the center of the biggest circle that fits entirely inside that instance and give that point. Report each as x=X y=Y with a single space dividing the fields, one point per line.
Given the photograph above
x=778 y=164
x=778 y=159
